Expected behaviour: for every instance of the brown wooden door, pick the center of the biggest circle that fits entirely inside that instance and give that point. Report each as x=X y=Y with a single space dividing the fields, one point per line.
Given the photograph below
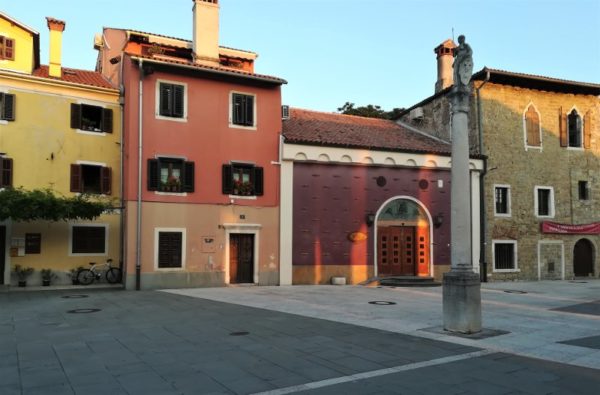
x=241 y=258
x=396 y=255
x=2 y=252
x=583 y=258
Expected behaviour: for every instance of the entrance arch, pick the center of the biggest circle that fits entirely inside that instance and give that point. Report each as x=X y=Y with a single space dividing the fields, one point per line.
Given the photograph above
x=583 y=258
x=403 y=238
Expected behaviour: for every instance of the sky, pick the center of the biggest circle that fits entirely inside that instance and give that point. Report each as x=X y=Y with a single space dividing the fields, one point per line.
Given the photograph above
x=361 y=51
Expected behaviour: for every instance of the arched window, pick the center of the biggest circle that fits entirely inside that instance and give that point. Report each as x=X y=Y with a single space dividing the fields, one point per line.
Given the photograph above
x=532 y=127
x=574 y=128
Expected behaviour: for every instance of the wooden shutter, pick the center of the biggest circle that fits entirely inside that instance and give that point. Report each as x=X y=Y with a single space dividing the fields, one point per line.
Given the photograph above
x=76 y=177
x=1 y=47
x=6 y=170
x=227 y=179
x=564 y=134
x=75 y=116
x=107 y=120
x=532 y=124
x=165 y=107
x=178 y=106
x=237 y=109
x=258 y=181
x=249 y=110
x=8 y=107
x=169 y=249
x=9 y=49
x=587 y=130
x=188 y=177
x=106 y=180
x=153 y=175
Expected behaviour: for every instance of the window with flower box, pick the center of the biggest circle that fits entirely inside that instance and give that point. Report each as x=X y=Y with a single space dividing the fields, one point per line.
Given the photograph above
x=170 y=175
x=242 y=180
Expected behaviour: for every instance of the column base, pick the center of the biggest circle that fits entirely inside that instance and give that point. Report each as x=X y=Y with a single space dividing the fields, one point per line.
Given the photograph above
x=462 y=301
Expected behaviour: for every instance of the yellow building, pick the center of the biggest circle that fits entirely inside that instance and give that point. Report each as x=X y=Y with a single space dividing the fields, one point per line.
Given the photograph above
x=60 y=129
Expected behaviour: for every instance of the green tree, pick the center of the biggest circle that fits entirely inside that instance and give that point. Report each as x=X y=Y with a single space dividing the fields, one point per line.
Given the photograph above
x=369 y=111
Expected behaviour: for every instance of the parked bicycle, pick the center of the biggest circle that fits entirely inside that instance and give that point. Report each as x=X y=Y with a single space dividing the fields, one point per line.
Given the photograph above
x=112 y=274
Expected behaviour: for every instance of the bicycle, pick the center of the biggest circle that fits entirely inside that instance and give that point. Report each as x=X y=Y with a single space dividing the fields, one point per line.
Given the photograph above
x=112 y=274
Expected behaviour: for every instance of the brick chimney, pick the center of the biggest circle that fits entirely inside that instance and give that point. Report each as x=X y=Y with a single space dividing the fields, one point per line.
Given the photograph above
x=206 y=32
x=56 y=28
x=445 y=58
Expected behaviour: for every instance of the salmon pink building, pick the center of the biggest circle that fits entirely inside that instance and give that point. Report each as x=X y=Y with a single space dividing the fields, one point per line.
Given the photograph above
x=200 y=157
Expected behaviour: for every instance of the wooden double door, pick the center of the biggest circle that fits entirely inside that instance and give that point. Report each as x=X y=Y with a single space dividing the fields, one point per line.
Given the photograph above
x=241 y=258
x=402 y=251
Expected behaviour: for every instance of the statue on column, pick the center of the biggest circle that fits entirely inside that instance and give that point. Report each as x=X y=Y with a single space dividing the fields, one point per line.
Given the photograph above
x=463 y=65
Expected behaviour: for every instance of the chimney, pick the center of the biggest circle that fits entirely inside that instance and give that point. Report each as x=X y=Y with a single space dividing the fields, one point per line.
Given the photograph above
x=445 y=58
x=56 y=28
x=206 y=32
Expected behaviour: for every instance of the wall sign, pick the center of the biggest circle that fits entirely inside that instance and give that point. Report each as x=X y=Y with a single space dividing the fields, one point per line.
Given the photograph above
x=355 y=237
x=585 y=229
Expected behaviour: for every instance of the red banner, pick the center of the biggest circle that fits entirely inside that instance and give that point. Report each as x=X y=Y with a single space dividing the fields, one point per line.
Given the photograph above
x=585 y=229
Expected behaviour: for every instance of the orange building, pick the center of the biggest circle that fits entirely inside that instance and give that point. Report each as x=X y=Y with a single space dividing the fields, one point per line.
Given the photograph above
x=201 y=164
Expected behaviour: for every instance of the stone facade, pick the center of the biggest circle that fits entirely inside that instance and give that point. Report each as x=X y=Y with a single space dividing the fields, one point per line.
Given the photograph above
x=512 y=164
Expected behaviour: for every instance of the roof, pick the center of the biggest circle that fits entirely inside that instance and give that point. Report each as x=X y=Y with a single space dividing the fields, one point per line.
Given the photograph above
x=35 y=35
x=15 y=22
x=338 y=130
x=210 y=69
x=76 y=76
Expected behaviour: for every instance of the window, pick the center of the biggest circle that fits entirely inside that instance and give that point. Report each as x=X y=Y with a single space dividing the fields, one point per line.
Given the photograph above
x=88 y=239
x=88 y=178
x=7 y=48
x=544 y=202
x=574 y=128
x=531 y=122
x=91 y=118
x=6 y=172
x=502 y=200
x=505 y=255
x=171 y=100
x=7 y=107
x=583 y=188
x=170 y=249
x=242 y=180
x=33 y=243
x=170 y=175
x=242 y=109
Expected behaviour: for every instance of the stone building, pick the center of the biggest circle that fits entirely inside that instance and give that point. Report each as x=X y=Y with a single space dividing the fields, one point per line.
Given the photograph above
x=541 y=186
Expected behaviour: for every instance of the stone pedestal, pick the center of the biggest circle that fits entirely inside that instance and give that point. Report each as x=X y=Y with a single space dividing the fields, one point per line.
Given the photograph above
x=462 y=301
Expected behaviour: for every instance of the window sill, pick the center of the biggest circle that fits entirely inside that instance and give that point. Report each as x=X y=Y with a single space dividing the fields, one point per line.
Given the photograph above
x=169 y=269
x=252 y=197
x=3 y=122
x=506 y=271
x=242 y=127
x=175 y=119
x=90 y=132
x=544 y=216
x=533 y=147
x=89 y=254
x=575 y=149
x=502 y=215
x=170 y=193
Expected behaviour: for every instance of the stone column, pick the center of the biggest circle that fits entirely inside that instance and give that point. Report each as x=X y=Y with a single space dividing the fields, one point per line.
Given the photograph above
x=461 y=292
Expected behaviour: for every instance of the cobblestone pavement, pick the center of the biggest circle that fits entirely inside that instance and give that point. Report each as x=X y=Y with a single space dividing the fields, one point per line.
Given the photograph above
x=294 y=340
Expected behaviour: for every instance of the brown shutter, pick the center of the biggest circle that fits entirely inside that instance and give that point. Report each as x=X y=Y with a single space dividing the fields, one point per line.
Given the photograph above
x=9 y=49
x=76 y=178
x=75 y=116
x=188 y=177
x=564 y=135
x=6 y=171
x=8 y=110
x=587 y=130
x=153 y=176
x=227 y=177
x=107 y=120
x=258 y=181
x=106 y=180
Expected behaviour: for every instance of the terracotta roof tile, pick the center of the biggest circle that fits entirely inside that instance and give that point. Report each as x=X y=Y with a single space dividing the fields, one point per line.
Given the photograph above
x=330 y=129
x=76 y=76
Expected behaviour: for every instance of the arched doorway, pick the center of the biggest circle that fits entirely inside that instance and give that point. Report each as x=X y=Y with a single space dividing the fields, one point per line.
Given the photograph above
x=583 y=258
x=403 y=239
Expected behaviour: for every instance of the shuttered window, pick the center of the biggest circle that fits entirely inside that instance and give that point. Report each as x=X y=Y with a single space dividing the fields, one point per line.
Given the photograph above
x=91 y=179
x=91 y=118
x=6 y=172
x=88 y=240
x=7 y=48
x=532 y=127
x=171 y=100
x=242 y=109
x=242 y=180
x=171 y=175
x=504 y=256
x=169 y=250
x=7 y=107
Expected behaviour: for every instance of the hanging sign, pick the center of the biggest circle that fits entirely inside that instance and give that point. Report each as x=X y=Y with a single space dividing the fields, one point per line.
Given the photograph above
x=585 y=229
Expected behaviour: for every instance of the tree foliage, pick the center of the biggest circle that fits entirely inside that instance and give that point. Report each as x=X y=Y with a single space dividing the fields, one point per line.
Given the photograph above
x=369 y=111
x=21 y=205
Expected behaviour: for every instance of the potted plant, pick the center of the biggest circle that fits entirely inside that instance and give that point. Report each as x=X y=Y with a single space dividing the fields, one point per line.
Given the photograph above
x=22 y=274
x=73 y=273
x=47 y=277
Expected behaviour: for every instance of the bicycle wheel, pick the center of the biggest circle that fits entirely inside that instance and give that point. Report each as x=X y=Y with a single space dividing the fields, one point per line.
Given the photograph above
x=85 y=276
x=113 y=275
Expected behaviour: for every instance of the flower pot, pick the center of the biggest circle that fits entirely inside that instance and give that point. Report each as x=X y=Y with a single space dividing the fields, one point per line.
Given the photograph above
x=22 y=283
x=45 y=283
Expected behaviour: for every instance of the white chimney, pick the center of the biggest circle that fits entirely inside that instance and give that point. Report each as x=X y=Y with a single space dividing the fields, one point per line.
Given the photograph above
x=206 y=32
x=445 y=58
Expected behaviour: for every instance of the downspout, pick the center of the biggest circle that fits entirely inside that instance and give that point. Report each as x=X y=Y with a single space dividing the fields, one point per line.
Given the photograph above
x=482 y=217
x=138 y=230
x=122 y=171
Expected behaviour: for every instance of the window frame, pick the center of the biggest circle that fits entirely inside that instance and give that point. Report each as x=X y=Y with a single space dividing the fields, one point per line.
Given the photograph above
x=551 y=203
x=187 y=182
x=157 y=232
x=581 y=128
x=4 y=40
x=7 y=166
x=233 y=125
x=508 y=213
x=256 y=179
x=105 y=173
x=526 y=131
x=4 y=107
x=158 y=98
x=515 y=269
x=584 y=185
x=83 y=225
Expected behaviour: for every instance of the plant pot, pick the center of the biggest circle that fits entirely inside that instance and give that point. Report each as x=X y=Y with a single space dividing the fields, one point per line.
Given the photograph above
x=45 y=283
x=22 y=283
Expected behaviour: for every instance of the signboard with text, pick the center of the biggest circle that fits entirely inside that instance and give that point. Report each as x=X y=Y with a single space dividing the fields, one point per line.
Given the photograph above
x=585 y=229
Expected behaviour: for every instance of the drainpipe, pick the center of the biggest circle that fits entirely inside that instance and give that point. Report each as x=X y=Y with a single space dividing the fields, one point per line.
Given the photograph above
x=482 y=217
x=138 y=239
x=122 y=172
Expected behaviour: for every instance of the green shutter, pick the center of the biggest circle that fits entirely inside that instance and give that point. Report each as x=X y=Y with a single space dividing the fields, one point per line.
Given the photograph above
x=8 y=107
x=188 y=177
x=227 y=177
x=178 y=101
x=153 y=176
x=165 y=106
x=258 y=181
x=249 y=110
